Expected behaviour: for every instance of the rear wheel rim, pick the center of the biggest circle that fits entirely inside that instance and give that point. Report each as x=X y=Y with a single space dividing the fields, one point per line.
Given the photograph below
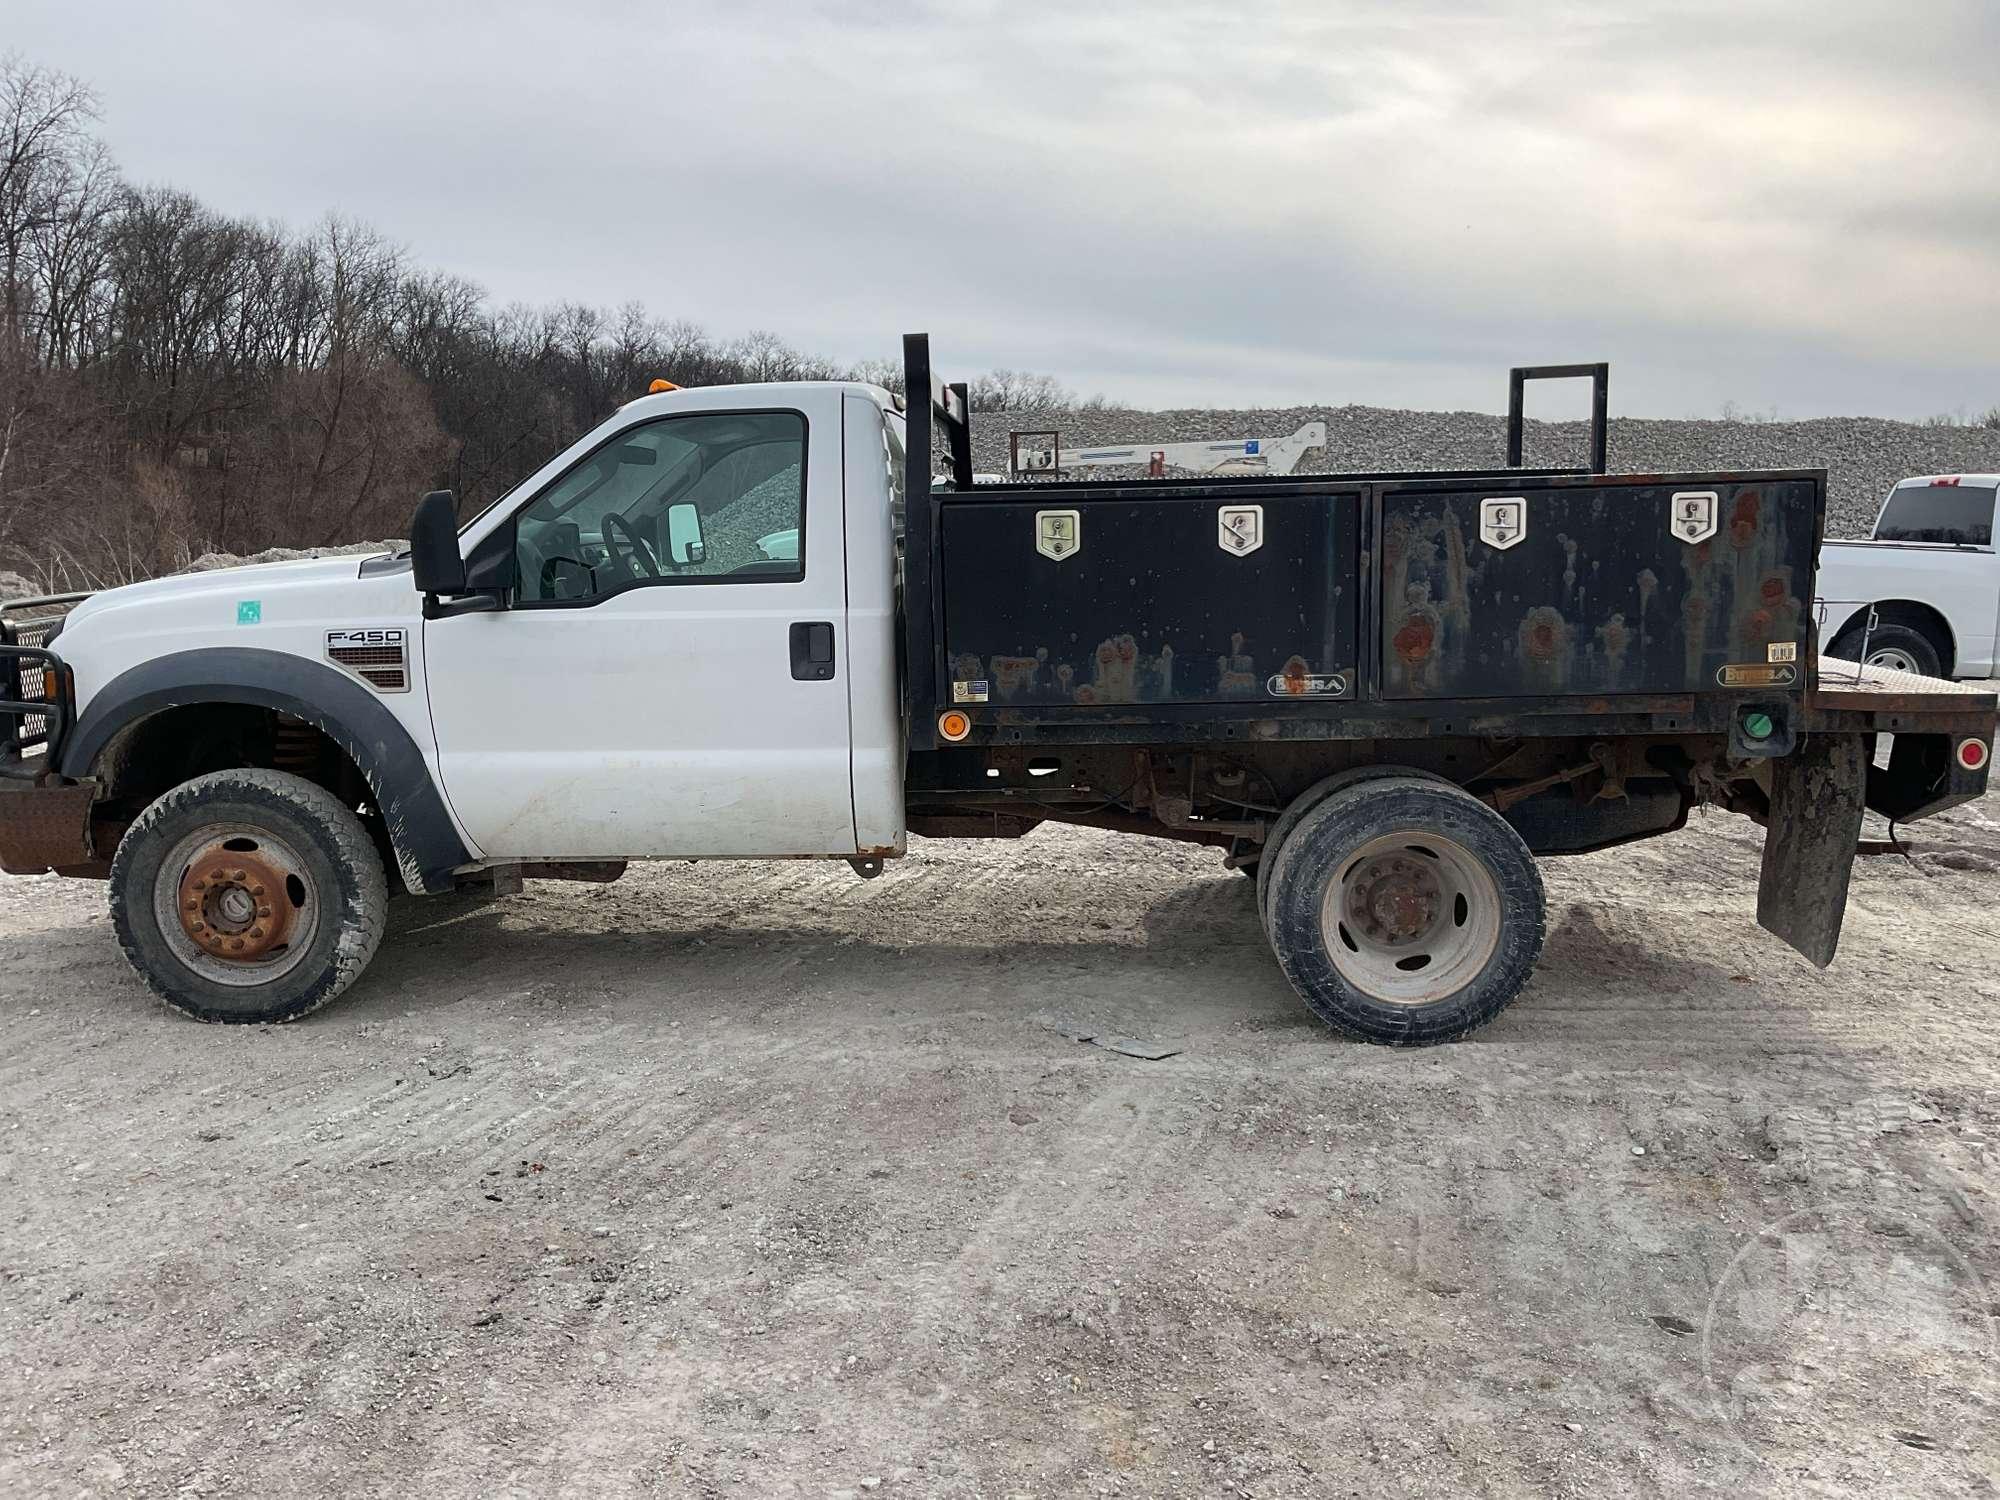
x=1894 y=659
x=1411 y=918
x=237 y=905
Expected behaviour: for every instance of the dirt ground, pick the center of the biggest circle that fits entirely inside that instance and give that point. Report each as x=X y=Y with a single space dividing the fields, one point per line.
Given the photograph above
x=739 y=1180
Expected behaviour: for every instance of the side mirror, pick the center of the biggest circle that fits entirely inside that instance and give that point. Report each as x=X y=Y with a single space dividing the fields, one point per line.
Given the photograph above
x=435 y=561
x=436 y=564
x=685 y=548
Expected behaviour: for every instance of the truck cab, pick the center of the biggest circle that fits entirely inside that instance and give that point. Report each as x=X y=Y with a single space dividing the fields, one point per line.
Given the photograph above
x=660 y=683
x=654 y=677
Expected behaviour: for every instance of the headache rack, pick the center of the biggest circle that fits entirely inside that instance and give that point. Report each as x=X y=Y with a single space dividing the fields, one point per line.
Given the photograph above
x=35 y=711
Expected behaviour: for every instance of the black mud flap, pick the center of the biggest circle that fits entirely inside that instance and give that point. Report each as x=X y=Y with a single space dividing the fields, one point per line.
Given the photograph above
x=1809 y=846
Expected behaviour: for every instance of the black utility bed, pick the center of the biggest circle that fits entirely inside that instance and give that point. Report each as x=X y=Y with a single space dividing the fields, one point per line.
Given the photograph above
x=1351 y=606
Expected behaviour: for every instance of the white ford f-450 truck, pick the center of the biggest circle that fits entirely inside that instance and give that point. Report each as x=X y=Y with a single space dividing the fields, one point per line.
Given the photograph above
x=1383 y=695
x=1923 y=593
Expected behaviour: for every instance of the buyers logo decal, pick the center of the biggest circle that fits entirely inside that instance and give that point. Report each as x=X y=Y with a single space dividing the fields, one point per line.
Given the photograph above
x=250 y=612
x=1295 y=681
x=1756 y=674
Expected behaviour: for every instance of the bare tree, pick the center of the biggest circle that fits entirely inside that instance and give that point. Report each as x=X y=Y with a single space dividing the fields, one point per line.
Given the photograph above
x=43 y=119
x=176 y=380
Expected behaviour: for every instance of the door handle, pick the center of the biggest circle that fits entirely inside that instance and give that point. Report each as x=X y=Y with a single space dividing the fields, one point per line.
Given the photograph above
x=812 y=651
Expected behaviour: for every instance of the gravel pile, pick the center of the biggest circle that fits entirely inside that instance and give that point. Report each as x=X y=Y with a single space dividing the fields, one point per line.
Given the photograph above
x=732 y=531
x=1864 y=455
x=208 y=562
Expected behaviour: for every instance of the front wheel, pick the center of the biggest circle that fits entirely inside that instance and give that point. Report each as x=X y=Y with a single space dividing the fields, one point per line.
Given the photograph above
x=1405 y=911
x=248 y=896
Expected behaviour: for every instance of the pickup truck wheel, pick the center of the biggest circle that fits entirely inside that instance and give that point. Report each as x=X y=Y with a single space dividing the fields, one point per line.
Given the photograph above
x=1405 y=911
x=1900 y=648
x=248 y=896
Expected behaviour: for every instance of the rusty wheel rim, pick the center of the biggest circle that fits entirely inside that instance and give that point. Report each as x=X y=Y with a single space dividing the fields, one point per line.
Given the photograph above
x=238 y=905
x=1412 y=918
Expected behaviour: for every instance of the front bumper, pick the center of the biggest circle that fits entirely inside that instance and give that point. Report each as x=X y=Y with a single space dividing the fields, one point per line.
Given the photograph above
x=45 y=826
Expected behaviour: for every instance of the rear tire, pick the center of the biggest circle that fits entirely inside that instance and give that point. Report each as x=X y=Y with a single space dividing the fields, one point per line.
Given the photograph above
x=1405 y=911
x=248 y=896
x=1899 y=647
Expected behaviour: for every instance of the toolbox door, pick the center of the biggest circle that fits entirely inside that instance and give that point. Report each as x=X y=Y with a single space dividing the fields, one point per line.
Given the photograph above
x=1066 y=598
x=1597 y=589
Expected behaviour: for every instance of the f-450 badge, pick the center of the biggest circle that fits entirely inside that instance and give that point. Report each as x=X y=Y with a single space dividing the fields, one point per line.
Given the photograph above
x=388 y=635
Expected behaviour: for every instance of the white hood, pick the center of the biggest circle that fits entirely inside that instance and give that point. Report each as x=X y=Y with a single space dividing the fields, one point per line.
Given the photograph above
x=250 y=582
x=286 y=607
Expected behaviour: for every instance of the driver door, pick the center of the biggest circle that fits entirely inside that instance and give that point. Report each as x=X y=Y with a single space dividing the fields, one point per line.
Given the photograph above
x=670 y=678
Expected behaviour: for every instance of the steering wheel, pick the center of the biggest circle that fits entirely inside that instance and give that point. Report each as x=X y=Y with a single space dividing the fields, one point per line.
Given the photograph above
x=638 y=558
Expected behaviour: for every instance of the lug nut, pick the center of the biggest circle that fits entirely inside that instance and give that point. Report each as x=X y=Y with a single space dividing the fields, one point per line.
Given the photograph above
x=256 y=890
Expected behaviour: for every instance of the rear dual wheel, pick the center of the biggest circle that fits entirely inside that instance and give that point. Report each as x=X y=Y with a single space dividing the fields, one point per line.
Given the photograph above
x=1403 y=910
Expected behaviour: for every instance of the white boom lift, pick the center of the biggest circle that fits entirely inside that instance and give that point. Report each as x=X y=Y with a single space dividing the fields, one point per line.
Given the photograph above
x=1227 y=456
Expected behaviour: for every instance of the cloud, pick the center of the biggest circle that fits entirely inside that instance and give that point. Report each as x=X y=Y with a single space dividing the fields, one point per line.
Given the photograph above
x=1785 y=205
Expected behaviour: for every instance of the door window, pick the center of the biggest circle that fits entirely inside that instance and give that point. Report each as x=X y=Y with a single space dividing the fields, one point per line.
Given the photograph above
x=704 y=498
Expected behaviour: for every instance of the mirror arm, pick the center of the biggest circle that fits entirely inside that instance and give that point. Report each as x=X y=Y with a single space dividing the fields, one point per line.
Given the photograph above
x=483 y=602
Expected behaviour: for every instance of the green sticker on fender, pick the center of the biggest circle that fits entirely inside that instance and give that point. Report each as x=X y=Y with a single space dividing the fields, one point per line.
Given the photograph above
x=250 y=612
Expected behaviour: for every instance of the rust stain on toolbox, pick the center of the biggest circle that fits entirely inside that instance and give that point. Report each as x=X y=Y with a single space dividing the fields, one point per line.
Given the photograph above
x=1600 y=597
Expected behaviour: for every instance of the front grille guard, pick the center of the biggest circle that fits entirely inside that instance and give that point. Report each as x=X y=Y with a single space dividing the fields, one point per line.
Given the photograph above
x=35 y=714
x=32 y=724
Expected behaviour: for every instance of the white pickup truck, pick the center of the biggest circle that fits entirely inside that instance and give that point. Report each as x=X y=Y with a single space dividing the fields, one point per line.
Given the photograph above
x=741 y=623
x=1923 y=593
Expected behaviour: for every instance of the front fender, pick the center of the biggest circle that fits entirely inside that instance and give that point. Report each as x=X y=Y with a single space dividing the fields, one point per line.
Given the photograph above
x=428 y=847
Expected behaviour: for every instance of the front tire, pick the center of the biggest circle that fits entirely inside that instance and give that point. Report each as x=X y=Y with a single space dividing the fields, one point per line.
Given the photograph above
x=1405 y=911
x=248 y=896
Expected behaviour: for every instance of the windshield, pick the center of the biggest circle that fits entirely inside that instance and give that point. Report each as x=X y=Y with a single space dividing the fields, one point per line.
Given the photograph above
x=1954 y=513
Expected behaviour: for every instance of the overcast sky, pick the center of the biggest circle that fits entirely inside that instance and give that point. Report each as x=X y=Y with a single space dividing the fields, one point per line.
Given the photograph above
x=1781 y=205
